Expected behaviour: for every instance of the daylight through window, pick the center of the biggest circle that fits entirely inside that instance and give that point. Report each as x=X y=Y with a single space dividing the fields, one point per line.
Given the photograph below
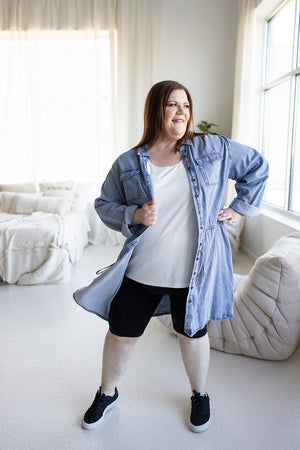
x=281 y=112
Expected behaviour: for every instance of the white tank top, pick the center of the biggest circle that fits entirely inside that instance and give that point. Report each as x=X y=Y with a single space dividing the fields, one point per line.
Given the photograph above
x=166 y=251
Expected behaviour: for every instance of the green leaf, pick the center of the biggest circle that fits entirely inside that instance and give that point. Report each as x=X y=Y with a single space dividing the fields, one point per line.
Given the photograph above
x=205 y=126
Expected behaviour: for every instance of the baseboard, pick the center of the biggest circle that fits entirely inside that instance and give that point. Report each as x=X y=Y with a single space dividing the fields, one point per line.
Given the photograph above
x=248 y=252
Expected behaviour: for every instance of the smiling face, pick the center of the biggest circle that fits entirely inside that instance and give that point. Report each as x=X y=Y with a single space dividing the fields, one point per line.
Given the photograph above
x=168 y=114
x=177 y=114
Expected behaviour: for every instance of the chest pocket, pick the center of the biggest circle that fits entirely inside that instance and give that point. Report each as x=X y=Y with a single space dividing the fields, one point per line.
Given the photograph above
x=211 y=168
x=132 y=186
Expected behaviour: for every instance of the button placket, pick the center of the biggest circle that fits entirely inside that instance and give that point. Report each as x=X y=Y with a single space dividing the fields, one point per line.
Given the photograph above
x=188 y=322
x=196 y=190
x=195 y=187
x=144 y=159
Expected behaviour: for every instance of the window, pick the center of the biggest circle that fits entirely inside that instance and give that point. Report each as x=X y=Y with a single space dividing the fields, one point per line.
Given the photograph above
x=281 y=108
x=55 y=105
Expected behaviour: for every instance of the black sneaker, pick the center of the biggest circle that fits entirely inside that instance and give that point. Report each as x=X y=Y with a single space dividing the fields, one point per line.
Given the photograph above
x=200 y=414
x=98 y=408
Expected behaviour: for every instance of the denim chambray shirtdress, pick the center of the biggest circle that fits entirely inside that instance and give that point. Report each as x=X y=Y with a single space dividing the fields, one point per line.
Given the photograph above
x=209 y=161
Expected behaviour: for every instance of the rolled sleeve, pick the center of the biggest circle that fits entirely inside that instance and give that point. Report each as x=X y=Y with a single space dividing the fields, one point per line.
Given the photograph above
x=111 y=205
x=127 y=230
x=244 y=209
x=250 y=171
x=113 y=208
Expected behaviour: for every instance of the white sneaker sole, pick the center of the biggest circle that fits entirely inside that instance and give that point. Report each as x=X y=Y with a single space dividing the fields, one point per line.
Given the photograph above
x=91 y=426
x=199 y=428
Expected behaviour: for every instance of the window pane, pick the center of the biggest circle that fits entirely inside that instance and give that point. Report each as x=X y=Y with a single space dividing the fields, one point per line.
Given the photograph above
x=280 y=42
x=295 y=206
x=275 y=142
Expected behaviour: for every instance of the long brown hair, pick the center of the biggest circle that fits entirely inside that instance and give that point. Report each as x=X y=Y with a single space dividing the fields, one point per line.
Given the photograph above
x=154 y=112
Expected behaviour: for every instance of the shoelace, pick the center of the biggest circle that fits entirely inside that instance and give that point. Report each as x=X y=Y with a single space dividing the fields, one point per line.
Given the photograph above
x=197 y=401
x=99 y=398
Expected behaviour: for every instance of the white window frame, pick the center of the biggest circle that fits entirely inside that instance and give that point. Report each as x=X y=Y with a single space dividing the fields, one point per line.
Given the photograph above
x=266 y=10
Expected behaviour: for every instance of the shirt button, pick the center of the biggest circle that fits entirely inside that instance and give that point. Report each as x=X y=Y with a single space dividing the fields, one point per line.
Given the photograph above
x=195 y=273
x=200 y=211
x=196 y=195
x=192 y=287
x=197 y=259
x=201 y=228
x=190 y=301
x=193 y=179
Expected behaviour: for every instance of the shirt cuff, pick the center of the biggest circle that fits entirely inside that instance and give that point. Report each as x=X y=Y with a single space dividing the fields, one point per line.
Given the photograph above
x=244 y=208
x=128 y=230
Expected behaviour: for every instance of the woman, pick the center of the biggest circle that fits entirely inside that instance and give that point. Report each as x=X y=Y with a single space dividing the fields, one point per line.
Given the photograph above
x=167 y=197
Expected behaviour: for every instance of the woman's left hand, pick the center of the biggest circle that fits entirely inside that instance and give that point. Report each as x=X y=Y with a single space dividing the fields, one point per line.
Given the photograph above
x=229 y=215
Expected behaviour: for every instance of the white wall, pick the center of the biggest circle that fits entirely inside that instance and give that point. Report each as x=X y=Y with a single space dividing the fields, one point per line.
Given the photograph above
x=198 y=42
x=260 y=233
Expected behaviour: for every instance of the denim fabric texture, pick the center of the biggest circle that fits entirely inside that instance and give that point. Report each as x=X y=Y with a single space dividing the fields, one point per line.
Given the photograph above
x=209 y=161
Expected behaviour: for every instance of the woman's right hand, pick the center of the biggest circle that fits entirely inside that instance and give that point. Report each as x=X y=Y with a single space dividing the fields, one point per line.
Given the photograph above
x=147 y=214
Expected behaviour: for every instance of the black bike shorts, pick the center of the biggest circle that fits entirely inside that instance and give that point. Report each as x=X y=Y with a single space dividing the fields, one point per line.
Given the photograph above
x=134 y=305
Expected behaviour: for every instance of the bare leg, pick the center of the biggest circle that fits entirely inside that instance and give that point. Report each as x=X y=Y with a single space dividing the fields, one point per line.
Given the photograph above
x=117 y=352
x=195 y=355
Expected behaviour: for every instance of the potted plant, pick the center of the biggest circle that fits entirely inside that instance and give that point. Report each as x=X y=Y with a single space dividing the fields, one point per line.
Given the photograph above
x=205 y=127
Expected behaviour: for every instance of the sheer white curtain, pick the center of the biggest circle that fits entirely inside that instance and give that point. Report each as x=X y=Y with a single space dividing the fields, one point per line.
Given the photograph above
x=138 y=29
x=73 y=80
x=244 y=87
x=245 y=100
x=55 y=105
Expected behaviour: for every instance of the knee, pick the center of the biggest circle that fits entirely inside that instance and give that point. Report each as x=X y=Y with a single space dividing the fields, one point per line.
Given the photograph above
x=122 y=340
x=185 y=340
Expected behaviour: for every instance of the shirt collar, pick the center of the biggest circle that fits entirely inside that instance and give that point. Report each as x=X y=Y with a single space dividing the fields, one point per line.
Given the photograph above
x=143 y=151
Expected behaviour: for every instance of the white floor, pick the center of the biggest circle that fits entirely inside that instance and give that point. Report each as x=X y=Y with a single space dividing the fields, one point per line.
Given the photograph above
x=50 y=369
